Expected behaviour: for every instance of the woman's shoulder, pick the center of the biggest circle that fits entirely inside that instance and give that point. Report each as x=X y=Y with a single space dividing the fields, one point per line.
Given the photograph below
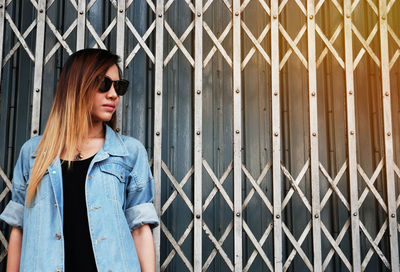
x=135 y=149
x=132 y=144
x=29 y=147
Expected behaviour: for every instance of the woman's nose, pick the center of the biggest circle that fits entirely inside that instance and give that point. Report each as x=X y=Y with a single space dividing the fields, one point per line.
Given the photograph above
x=112 y=94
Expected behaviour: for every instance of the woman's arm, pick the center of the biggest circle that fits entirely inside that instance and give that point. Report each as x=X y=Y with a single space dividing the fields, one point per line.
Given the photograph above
x=143 y=239
x=14 y=250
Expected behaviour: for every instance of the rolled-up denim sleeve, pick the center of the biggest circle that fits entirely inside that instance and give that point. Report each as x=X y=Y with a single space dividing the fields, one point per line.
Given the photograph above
x=139 y=209
x=13 y=214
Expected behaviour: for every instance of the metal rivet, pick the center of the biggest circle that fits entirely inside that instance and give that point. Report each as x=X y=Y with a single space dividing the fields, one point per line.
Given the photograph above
x=160 y=15
x=387 y=93
x=237 y=91
x=41 y=10
x=274 y=16
x=238 y=214
x=237 y=13
x=350 y=92
x=118 y=130
x=237 y=131
x=276 y=93
x=278 y=216
x=1 y=6
x=198 y=132
x=34 y=131
x=351 y=132
x=121 y=10
x=355 y=214
x=198 y=92
x=389 y=134
x=348 y=16
x=313 y=94
x=393 y=215
x=316 y=216
x=198 y=14
x=311 y=17
x=158 y=133
x=37 y=90
x=314 y=134
x=276 y=134
x=198 y=216
x=383 y=17
x=158 y=93
x=81 y=12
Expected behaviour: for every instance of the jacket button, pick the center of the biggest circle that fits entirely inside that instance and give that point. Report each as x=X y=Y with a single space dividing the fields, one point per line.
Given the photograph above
x=58 y=237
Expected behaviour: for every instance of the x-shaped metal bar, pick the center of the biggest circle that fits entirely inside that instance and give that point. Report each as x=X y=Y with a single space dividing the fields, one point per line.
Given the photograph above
x=179 y=41
x=333 y=188
x=178 y=190
x=218 y=187
x=374 y=243
x=256 y=42
x=176 y=247
x=217 y=40
x=397 y=41
x=256 y=188
x=20 y=38
x=141 y=39
x=295 y=188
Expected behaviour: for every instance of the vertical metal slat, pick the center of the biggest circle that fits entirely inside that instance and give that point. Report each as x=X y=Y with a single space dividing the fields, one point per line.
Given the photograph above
x=313 y=119
x=158 y=88
x=80 y=30
x=351 y=139
x=237 y=144
x=198 y=110
x=120 y=42
x=276 y=143
x=387 y=120
x=37 y=78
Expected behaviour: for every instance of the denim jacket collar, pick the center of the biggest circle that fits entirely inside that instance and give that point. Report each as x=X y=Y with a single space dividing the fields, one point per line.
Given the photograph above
x=113 y=145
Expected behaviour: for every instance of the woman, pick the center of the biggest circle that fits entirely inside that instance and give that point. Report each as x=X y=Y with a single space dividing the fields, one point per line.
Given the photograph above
x=82 y=194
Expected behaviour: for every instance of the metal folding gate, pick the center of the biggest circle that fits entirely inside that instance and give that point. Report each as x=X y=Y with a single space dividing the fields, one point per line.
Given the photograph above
x=273 y=126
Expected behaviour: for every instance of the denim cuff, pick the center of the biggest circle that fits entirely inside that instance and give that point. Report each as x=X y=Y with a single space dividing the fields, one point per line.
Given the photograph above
x=142 y=214
x=13 y=214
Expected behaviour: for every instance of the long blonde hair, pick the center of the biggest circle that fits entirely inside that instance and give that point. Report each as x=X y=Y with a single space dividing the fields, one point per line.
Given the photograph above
x=70 y=115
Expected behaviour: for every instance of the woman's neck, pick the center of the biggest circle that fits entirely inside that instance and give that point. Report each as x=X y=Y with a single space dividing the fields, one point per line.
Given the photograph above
x=96 y=130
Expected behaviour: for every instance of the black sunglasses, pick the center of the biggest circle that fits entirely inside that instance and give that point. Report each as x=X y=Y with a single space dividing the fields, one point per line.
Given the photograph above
x=120 y=86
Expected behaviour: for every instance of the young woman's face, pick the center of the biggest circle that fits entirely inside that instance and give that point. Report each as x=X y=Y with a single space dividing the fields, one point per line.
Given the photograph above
x=105 y=104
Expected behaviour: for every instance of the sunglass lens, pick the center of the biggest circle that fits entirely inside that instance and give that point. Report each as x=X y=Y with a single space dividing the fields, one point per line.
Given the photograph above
x=105 y=85
x=121 y=86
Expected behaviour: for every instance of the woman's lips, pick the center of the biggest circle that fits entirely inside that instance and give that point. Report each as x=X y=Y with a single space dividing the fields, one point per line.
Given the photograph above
x=109 y=107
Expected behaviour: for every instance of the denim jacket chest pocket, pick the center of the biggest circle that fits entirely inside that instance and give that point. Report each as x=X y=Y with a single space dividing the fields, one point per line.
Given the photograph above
x=114 y=177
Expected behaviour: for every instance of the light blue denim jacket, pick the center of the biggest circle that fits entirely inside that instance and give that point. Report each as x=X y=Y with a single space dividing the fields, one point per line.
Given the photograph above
x=119 y=193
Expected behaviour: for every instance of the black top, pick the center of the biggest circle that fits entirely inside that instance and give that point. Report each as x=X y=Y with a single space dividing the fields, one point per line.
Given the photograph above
x=77 y=244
